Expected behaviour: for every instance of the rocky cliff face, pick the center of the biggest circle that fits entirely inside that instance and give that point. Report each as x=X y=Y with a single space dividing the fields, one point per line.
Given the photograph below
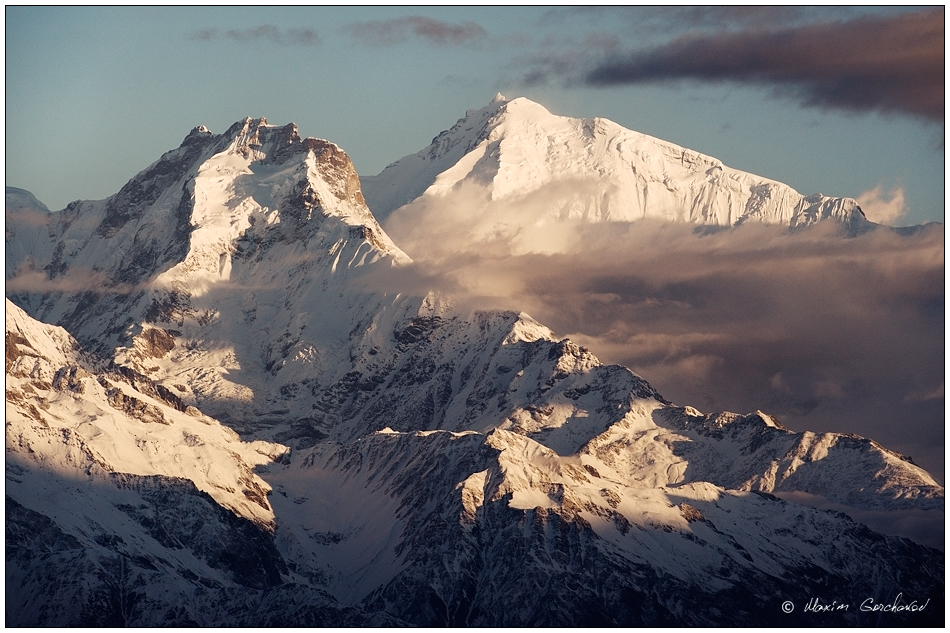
x=397 y=459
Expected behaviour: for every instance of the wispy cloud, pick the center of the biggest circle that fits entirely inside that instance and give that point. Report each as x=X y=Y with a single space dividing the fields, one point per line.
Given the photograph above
x=73 y=282
x=398 y=30
x=264 y=33
x=883 y=207
x=21 y=213
x=923 y=526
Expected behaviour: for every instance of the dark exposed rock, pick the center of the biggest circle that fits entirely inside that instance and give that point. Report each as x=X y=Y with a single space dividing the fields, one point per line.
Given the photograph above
x=57 y=266
x=366 y=233
x=416 y=329
x=132 y=406
x=143 y=190
x=179 y=516
x=70 y=378
x=690 y=513
x=156 y=342
x=12 y=350
x=107 y=580
x=169 y=307
x=548 y=567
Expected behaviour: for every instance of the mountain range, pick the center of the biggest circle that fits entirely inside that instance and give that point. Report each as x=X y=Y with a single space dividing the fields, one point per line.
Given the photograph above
x=218 y=413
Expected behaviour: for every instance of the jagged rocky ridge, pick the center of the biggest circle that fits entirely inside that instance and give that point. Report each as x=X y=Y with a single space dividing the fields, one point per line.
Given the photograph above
x=404 y=451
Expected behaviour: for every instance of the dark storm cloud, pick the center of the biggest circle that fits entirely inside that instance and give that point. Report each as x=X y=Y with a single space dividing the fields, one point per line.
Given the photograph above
x=398 y=30
x=264 y=33
x=892 y=64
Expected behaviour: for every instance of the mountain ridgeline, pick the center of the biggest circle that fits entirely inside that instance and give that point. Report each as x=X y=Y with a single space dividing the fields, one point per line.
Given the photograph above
x=218 y=413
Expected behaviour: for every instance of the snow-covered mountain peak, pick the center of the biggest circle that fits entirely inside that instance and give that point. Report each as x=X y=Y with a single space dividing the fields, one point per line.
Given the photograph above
x=324 y=175
x=197 y=134
x=523 y=107
x=221 y=211
x=589 y=169
x=259 y=143
x=18 y=200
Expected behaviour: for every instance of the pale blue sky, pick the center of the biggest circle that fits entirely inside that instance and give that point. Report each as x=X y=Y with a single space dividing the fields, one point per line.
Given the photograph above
x=95 y=95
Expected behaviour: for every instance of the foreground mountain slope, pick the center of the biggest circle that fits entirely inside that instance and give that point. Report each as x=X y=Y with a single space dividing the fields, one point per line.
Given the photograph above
x=126 y=507
x=499 y=530
x=116 y=420
x=550 y=168
x=415 y=448
x=431 y=527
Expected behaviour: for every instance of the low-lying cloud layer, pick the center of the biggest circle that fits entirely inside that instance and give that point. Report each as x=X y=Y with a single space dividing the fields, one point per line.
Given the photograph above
x=828 y=333
x=26 y=279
